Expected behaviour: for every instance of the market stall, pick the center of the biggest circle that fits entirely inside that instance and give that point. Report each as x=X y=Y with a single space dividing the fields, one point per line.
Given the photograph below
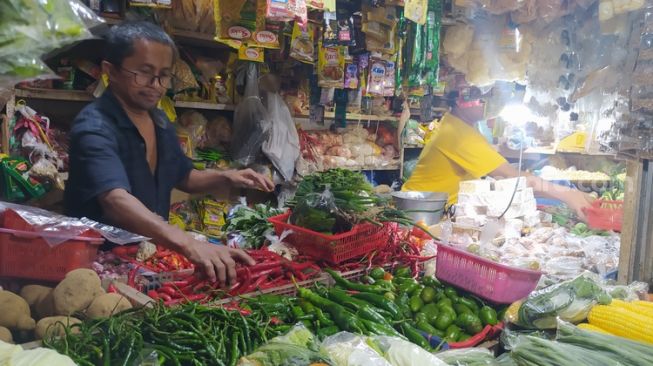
x=340 y=104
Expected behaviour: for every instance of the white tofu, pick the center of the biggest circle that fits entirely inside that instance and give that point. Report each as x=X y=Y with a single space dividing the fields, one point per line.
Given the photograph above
x=475 y=186
x=516 y=209
x=509 y=184
x=472 y=221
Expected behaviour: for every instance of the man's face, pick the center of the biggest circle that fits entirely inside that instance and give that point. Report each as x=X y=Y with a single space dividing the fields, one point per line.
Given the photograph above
x=132 y=81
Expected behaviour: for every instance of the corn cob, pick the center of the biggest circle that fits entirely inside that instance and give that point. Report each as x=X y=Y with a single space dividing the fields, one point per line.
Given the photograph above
x=593 y=328
x=644 y=304
x=635 y=308
x=622 y=322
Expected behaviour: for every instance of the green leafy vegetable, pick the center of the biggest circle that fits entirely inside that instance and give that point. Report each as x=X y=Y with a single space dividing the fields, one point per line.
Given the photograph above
x=252 y=223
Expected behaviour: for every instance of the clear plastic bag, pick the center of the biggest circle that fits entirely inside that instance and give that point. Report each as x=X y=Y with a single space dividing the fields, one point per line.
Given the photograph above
x=57 y=229
x=282 y=144
x=570 y=301
x=251 y=121
x=347 y=349
x=297 y=347
x=400 y=352
x=277 y=244
x=468 y=357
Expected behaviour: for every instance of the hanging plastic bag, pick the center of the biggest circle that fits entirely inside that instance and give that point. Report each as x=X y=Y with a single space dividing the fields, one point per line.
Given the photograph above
x=251 y=122
x=282 y=144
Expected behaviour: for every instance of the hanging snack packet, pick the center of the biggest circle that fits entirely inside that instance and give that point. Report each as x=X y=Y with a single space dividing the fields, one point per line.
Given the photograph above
x=330 y=30
x=247 y=53
x=432 y=59
x=315 y=4
x=237 y=20
x=416 y=55
x=415 y=10
x=280 y=10
x=302 y=47
x=389 y=79
x=376 y=78
x=331 y=67
x=351 y=76
x=345 y=27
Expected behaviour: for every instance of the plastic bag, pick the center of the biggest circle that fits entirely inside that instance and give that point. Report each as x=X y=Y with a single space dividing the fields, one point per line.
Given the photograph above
x=57 y=229
x=282 y=144
x=570 y=301
x=347 y=349
x=468 y=357
x=297 y=347
x=318 y=212
x=251 y=122
x=278 y=246
x=404 y=353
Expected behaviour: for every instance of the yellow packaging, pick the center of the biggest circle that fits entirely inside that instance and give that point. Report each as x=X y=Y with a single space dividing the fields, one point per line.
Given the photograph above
x=213 y=217
x=415 y=10
x=331 y=67
x=231 y=25
x=250 y=53
x=302 y=46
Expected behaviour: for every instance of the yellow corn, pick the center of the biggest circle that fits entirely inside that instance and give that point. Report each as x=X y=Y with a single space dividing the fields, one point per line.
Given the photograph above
x=593 y=328
x=622 y=322
x=644 y=304
x=635 y=308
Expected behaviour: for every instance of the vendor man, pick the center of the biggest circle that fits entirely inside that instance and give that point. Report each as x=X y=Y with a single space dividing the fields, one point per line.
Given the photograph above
x=125 y=157
x=458 y=152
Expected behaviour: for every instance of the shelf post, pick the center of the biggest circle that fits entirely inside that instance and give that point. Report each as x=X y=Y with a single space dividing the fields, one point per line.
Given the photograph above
x=10 y=109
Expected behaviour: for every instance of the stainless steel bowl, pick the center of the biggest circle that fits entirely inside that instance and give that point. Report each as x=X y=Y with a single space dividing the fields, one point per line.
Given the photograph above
x=422 y=206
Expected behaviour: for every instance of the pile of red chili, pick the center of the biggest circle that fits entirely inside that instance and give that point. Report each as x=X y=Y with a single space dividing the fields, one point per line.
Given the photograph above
x=271 y=270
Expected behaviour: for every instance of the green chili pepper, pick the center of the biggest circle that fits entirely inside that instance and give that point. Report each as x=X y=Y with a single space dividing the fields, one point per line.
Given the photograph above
x=415 y=336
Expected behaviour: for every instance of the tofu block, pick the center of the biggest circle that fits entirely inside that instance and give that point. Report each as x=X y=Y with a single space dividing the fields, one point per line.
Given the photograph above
x=475 y=186
x=472 y=221
x=509 y=184
x=516 y=209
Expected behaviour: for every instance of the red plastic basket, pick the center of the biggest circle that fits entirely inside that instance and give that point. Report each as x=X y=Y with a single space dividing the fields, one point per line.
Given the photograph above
x=492 y=281
x=26 y=254
x=606 y=215
x=338 y=248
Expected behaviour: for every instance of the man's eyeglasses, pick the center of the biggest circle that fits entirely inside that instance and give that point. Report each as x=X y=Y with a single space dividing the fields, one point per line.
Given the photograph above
x=146 y=78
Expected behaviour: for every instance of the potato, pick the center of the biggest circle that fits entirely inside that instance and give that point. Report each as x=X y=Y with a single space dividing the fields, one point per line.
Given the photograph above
x=5 y=335
x=76 y=291
x=54 y=326
x=45 y=307
x=34 y=294
x=15 y=312
x=106 y=305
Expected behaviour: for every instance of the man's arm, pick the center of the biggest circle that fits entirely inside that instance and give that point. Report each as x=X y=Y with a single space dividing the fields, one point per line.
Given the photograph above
x=128 y=212
x=202 y=181
x=575 y=199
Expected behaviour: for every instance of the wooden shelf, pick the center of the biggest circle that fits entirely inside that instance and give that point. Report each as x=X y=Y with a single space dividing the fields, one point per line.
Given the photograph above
x=55 y=94
x=356 y=117
x=197 y=39
x=82 y=96
x=205 y=105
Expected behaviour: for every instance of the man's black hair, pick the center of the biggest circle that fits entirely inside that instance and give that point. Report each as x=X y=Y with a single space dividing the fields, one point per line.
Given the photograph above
x=121 y=38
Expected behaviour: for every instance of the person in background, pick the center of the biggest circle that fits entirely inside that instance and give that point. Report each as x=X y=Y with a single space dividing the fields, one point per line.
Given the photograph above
x=125 y=157
x=459 y=152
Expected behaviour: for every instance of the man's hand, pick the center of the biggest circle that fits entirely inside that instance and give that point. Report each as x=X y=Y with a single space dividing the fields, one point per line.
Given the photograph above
x=249 y=179
x=578 y=201
x=217 y=261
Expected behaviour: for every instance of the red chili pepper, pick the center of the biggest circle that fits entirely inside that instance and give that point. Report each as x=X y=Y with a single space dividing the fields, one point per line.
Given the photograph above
x=162 y=267
x=165 y=297
x=131 y=279
x=174 y=302
x=178 y=283
x=170 y=291
x=275 y=321
x=259 y=281
x=196 y=297
x=154 y=295
x=112 y=289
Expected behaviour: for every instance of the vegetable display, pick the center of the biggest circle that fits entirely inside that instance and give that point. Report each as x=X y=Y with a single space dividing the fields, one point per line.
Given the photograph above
x=629 y=320
x=335 y=200
x=252 y=224
x=188 y=334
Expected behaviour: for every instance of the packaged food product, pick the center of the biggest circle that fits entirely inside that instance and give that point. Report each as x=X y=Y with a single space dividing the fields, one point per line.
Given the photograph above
x=389 y=79
x=415 y=10
x=345 y=29
x=237 y=20
x=280 y=10
x=377 y=78
x=331 y=67
x=247 y=53
x=351 y=76
x=330 y=29
x=302 y=46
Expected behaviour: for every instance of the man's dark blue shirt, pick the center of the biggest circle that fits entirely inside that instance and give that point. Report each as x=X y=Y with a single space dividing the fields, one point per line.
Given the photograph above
x=107 y=152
